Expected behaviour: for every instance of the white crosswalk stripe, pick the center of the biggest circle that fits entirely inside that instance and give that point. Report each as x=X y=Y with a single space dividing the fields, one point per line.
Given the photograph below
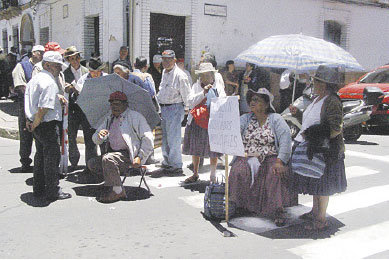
x=354 y=244
x=346 y=244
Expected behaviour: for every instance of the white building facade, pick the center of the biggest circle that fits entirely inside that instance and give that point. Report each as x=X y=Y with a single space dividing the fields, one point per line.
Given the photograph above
x=224 y=27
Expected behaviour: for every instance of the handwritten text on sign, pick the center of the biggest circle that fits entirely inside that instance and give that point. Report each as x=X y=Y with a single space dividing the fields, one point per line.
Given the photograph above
x=224 y=126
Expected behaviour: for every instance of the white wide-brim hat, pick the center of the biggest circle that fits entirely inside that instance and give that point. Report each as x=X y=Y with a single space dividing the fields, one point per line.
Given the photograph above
x=264 y=91
x=205 y=67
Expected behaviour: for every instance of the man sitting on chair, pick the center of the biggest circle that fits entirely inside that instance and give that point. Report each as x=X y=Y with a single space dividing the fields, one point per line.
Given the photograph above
x=128 y=141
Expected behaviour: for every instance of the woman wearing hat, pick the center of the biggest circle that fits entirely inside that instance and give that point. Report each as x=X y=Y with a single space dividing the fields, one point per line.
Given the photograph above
x=324 y=111
x=260 y=181
x=196 y=141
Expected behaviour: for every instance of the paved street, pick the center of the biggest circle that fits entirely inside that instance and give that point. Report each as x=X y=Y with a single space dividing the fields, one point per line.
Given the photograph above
x=169 y=224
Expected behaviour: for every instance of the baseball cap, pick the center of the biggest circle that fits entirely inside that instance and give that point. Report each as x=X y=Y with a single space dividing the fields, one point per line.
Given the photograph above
x=157 y=58
x=168 y=54
x=54 y=46
x=118 y=95
x=38 y=48
x=53 y=56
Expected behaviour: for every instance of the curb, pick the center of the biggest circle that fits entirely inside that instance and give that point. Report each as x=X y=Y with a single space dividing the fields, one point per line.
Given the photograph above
x=9 y=133
x=14 y=134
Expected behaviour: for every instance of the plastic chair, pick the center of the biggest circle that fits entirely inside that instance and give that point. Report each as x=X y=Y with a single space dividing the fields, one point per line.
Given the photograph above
x=143 y=171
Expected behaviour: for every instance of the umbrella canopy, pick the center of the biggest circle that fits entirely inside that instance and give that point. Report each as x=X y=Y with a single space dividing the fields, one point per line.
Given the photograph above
x=298 y=53
x=93 y=99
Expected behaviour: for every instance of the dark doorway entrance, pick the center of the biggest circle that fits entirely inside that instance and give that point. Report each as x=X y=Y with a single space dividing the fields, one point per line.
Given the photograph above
x=167 y=32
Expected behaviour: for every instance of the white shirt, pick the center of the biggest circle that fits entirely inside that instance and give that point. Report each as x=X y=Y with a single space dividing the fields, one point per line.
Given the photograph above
x=311 y=116
x=77 y=73
x=42 y=92
x=174 y=87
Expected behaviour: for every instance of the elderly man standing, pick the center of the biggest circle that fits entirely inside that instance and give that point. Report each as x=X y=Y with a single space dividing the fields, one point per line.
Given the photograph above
x=44 y=112
x=123 y=58
x=76 y=117
x=129 y=141
x=173 y=97
x=22 y=74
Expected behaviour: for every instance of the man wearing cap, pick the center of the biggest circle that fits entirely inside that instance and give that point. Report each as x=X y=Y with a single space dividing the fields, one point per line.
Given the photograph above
x=172 y=97
x=156 y=71
x=129 y=141
x=95 y=67
x=44 y=112
x=76 y=117
x=123 y=57
x=22 y=74
x=50 y=46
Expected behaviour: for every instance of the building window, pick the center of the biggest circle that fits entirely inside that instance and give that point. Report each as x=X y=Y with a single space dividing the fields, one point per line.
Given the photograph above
x=91 y=37
x=44 y=35
x=333 y=32
x=5 y=41
x=15 y=38
x=65 y=11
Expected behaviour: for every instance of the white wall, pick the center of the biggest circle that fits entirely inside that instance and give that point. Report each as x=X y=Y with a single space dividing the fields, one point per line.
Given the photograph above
x=112 y=33
x=67 y=31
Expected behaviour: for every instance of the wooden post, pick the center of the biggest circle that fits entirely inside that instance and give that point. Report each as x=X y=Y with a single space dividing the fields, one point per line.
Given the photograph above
x=226 y=191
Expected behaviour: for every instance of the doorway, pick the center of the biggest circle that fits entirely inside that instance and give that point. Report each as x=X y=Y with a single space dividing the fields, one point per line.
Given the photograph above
x=167 y=32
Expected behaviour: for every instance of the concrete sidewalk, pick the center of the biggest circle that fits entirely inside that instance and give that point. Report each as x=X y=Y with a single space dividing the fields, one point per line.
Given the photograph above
x=9 y=121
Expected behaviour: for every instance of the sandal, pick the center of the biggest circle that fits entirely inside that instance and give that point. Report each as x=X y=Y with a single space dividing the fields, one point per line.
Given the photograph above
x=316 y=225
x=191 y=179
x=307 y=216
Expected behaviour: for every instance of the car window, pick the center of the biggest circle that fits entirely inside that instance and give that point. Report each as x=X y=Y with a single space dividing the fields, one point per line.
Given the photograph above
x=378 y=76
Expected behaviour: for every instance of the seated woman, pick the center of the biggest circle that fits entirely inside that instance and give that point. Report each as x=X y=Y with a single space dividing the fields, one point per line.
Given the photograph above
x=196 y=140
x=260 y=182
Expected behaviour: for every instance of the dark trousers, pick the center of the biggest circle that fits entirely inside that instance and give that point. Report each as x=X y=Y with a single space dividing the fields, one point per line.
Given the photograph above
x=47 y=158
x=25 y=144
x=77 y=118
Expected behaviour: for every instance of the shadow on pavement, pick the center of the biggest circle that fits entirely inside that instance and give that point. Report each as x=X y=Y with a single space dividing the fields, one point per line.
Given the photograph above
x=163 y=173
x=84 y=178
x=18 y=170
x=33 y=201
x=360 y=142
x=219 y=227
x=197 y=186
x=133 y=193
x=298 y=231
x=10 y=108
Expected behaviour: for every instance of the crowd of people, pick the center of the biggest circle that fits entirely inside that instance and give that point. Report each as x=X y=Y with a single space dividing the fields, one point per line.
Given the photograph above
x=261 y=182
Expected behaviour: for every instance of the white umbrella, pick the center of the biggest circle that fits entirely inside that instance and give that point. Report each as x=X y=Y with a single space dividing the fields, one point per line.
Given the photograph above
x=299 y=53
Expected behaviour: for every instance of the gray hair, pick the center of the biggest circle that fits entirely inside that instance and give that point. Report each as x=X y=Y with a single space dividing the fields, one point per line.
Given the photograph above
x=122 y=68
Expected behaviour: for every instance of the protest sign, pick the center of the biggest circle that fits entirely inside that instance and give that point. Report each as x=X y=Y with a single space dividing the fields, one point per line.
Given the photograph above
x=224 y=126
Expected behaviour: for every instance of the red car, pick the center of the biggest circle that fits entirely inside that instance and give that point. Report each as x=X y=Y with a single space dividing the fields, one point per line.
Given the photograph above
x=376 y=78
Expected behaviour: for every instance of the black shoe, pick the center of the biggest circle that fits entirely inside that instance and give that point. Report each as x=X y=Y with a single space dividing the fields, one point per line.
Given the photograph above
x=26 y=168
x=174 y=170
x=60 y=196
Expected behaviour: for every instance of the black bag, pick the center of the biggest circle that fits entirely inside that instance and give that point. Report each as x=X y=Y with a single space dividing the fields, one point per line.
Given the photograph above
x=214 y=202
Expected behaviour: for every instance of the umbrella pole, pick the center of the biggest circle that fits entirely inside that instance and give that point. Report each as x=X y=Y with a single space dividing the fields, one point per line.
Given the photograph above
x=226 y=191
x=294 y=86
